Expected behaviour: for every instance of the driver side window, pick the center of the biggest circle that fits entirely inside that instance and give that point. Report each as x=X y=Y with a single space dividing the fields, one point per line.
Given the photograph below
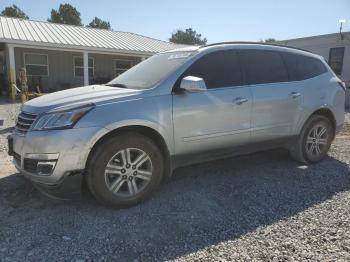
x=218 y=69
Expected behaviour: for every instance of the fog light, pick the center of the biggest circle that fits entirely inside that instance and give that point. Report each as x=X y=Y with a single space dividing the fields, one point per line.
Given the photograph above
x=45 y=168
x=40 y=164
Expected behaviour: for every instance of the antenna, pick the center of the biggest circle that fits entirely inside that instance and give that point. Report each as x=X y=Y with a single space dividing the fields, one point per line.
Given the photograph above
x=341 y=21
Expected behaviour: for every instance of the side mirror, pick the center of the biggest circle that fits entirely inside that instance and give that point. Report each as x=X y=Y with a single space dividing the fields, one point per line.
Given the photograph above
x=193 y=84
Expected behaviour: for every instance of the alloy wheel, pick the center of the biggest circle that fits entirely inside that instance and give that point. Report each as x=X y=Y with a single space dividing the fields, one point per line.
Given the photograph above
x=317 y=141
x=128 y=172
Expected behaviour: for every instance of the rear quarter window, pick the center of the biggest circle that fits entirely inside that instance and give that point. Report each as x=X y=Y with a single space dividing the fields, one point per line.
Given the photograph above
x=303 y=67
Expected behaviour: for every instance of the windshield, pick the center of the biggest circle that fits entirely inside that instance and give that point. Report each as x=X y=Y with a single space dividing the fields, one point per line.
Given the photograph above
x=149 y=72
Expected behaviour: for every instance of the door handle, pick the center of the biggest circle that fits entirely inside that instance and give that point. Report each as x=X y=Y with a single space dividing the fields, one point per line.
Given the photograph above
x=240 y=100
x=295 y=94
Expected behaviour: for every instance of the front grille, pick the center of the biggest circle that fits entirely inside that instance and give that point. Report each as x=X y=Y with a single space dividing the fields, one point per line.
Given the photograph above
x=24 y=122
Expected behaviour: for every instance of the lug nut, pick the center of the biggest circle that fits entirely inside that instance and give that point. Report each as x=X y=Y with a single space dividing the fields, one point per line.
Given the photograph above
x=135 y=173
x=123 y=170
x=127 y=165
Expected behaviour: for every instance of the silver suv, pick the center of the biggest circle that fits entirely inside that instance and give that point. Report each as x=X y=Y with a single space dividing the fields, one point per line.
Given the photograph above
x=178 y=108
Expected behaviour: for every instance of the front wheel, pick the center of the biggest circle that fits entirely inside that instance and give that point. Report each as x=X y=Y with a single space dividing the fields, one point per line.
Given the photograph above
x=125 y=169
x=314 y=140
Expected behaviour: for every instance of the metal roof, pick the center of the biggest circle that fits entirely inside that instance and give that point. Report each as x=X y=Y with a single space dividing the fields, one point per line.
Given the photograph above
x=29 y=32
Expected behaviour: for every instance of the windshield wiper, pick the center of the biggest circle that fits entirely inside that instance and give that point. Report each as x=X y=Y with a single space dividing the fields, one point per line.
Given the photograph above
x=117 y=85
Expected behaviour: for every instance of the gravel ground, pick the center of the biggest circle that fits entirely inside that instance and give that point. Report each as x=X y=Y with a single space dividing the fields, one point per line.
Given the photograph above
x=8 y=114
x=258 y=207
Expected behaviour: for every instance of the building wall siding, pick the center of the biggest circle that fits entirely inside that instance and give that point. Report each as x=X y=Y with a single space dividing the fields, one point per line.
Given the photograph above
x=61 y=68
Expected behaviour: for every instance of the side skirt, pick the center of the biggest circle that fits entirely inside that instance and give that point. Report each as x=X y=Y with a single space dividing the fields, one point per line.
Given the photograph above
x=200 y=157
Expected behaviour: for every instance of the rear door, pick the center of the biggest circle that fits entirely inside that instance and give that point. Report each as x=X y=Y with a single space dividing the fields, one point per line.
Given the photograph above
x=218 y=117
x=276 y=101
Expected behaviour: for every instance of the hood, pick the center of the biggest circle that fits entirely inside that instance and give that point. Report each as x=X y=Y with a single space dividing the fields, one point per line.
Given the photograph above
x=76 y=97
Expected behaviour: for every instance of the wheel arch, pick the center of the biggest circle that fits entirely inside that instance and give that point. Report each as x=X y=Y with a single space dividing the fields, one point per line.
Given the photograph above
x=324 y=111
x=147 y=131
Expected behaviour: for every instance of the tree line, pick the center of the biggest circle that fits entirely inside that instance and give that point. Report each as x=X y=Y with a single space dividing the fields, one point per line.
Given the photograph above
x=65 y=14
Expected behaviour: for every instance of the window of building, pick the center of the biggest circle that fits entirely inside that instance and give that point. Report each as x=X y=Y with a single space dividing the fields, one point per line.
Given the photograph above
x=218 y=69
x=36 y=64
x=79 y=66
x=336 y=57
x=262 y=66
x=303 y=67
x=121 y=65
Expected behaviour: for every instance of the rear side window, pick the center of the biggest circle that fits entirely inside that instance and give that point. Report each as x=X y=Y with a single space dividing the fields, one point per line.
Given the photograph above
x=303 y=67
x=218 y=69
x=262 y=66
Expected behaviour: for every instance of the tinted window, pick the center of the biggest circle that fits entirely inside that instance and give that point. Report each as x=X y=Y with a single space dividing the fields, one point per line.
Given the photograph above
x=218 y=69
x=303 y=67
x=263 y=66
x=335 y=61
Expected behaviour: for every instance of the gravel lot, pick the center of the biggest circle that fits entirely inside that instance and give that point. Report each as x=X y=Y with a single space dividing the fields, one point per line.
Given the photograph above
x=258 y=207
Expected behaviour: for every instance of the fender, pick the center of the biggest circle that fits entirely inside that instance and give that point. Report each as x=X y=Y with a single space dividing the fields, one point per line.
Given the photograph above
x=302 y=120
x=127 y=123
x=168 y=138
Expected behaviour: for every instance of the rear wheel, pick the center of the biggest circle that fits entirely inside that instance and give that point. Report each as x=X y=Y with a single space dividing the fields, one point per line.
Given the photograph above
x=314 y=140
x=125 y=169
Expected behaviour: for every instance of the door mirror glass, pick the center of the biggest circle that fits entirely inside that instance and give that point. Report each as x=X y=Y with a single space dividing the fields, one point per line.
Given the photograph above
x=193 y=84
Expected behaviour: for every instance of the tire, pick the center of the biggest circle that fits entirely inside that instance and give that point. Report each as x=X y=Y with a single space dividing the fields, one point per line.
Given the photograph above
x=124 y=170
x=309 y=147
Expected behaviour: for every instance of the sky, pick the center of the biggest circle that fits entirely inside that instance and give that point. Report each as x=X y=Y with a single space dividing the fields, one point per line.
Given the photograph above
x=220 y=20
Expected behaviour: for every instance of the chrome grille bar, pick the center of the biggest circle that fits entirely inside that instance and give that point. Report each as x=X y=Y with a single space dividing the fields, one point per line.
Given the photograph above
x=24 y=122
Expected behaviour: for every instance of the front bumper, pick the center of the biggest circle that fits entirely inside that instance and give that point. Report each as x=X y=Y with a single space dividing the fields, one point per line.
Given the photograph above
x=69 y=188
x=65 y=150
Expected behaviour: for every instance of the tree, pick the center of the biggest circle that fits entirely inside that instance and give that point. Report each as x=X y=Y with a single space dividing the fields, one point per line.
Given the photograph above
x=14 y=11
x=66 y=14
x=99 y=23
x=268 y=40
x=188 y=37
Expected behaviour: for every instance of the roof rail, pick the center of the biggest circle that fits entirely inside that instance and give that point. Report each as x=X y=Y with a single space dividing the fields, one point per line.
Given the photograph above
x=257 y=43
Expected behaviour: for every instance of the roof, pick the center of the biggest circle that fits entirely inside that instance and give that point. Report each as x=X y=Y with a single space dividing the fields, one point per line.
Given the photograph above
x=29 y=32
x=257 y=45
x=253 y=43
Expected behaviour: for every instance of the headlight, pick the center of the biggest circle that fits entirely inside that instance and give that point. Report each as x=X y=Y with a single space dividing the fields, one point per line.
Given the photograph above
x=61 y=119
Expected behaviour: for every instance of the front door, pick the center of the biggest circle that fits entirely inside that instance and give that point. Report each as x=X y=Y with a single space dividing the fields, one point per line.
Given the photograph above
x=218 y=117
